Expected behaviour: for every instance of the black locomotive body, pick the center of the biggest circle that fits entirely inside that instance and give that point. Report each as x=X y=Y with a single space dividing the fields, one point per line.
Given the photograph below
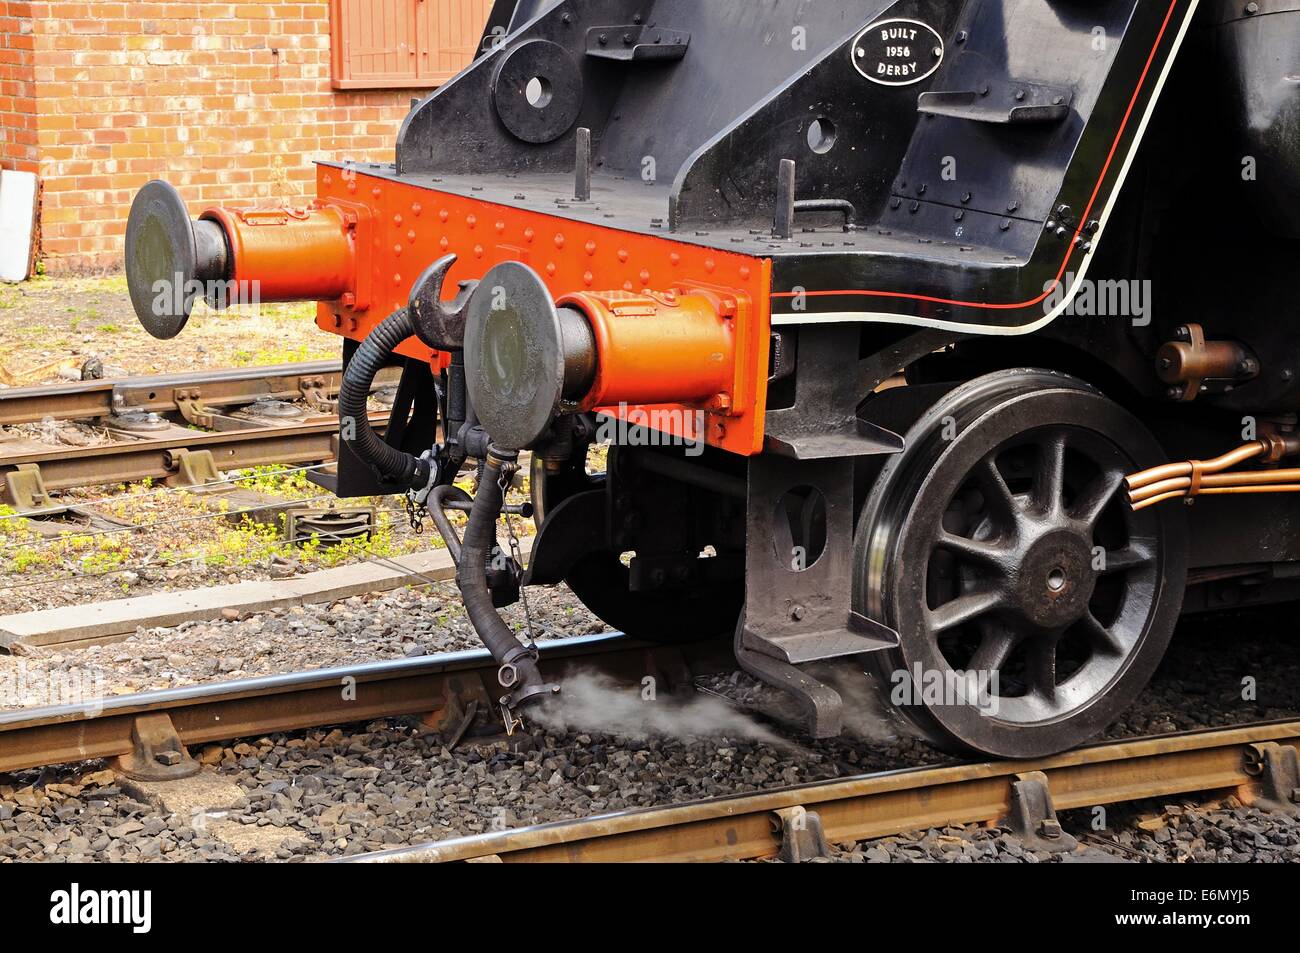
x=911 y=321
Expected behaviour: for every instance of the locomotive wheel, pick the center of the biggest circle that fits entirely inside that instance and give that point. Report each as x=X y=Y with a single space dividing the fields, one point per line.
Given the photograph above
x=603 y=584
x=999 y=544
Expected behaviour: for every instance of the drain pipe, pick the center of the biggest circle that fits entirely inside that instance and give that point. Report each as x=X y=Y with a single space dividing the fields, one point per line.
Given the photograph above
x=518 y=674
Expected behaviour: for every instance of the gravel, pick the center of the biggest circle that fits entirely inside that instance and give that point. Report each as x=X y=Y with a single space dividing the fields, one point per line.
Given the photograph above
x=337 y=792
x=400 y=624
x=1146 y=832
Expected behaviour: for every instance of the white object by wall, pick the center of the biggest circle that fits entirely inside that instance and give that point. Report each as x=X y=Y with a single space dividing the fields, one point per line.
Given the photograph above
x=17 y=224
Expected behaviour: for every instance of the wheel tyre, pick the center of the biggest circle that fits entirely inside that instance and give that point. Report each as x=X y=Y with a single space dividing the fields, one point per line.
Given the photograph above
x=962 y=557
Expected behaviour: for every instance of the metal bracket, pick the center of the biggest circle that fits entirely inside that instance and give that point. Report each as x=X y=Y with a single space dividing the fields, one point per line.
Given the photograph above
x=190 y=404
x=824 y=422
x=1277 y=768
x=28 y=493
x=821 y=705
x=463 y=697
x=801 y=833
x=637 y=43
x=157 y=754
x=316 y=396
x=799 y=556
x=1002 y=102
x=1033 y=816
x=194 y=468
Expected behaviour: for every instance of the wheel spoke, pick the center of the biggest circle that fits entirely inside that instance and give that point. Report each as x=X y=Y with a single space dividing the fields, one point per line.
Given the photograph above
x=996 y=645
x=963 y=609
x=975 y=551
x=1049 y=480
x=1101 y=638
x=1040 y=666
x=1092 y=502
x=1133 y=556
x=1001 y=505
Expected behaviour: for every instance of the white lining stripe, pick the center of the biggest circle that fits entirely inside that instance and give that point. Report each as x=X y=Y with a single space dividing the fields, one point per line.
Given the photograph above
x=836 y=317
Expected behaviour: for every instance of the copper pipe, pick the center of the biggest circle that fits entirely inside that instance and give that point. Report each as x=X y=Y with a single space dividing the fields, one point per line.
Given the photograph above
x=1218 y=490
x=1170 y=471
x=1252 y=478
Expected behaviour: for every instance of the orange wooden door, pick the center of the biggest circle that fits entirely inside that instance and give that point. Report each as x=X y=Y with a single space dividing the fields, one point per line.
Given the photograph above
x=403 y=43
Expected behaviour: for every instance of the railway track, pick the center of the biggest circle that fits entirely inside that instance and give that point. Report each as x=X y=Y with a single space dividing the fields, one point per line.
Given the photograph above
x=174 y=428
x=444 y=687
x=753 y=826
x=449 y=690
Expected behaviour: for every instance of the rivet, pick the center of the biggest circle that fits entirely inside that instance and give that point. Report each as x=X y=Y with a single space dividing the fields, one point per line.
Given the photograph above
x=623 y=255
x=529 y=234
x=472 y=221
x=745 y=271
x=645 y=277
x=416 y=209
x=410 y=236
x=559 y=239
x=397 y=279
x=478 y=251
x=710 y=265
x=501 y=227
x=444 y=243
x=550 y=268
x=588 y=278
x=397 y=220
x=443 y=215
x=397 y=250
x=590 y=248
x=674 y=258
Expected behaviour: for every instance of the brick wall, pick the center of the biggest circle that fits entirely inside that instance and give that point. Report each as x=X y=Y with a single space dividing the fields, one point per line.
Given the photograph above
x=229 y=102
x=17 y=92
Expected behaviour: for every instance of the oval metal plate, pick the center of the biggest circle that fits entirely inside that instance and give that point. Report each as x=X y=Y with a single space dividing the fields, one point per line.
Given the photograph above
x=897 y=52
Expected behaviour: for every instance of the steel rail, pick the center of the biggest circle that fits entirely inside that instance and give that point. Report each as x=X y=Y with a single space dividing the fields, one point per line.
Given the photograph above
x=131 y=461
x=157 y=394
x=745 y=827
x=102 y=727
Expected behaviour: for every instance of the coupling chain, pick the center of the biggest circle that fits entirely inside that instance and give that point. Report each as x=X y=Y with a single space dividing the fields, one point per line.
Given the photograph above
x=507 y=477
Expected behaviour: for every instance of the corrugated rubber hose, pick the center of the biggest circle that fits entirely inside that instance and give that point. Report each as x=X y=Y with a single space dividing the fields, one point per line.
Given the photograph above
x=389 y=464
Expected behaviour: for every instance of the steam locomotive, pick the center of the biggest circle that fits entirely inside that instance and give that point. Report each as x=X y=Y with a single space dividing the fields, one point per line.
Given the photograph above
x=916 y=327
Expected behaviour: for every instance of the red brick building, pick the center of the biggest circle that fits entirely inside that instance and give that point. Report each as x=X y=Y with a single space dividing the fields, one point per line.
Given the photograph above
x=228 y=101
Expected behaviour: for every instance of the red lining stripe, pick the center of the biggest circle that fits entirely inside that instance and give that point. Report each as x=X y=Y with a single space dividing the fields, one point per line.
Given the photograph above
x=1079 y=231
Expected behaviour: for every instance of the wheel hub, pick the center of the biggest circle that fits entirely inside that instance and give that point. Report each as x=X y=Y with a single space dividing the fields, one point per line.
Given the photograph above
x=1054 y=580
